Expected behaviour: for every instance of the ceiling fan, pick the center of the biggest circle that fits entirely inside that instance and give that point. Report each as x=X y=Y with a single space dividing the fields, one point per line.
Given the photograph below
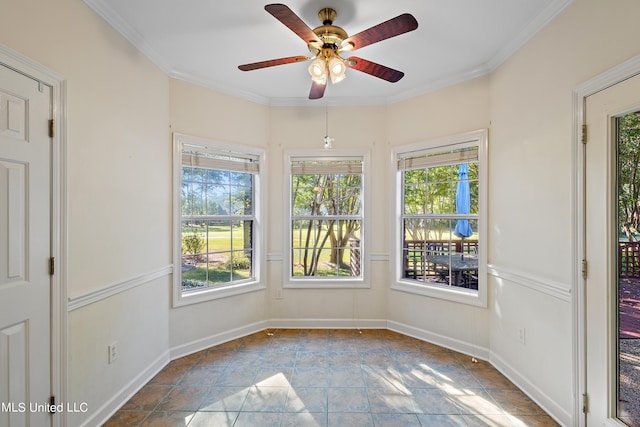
x=327 y=42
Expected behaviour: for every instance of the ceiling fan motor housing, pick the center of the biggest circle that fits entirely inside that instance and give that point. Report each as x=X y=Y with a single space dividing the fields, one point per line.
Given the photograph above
x=330 y=35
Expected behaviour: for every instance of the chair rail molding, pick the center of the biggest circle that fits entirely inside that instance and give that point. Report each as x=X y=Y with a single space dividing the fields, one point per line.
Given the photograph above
x=107 y=291
x=540 y=284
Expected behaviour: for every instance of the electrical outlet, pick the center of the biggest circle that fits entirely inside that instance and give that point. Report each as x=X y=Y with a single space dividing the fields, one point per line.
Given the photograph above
x=279 y=293
x=113 y=352
x=522 y=335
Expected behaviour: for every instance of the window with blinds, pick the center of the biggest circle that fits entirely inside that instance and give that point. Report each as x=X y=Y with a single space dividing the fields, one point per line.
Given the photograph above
x=217 y=215
x=440 y=220
x=326 y=218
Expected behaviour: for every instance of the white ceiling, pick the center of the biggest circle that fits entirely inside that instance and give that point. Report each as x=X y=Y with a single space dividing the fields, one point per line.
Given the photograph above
x=204 y=41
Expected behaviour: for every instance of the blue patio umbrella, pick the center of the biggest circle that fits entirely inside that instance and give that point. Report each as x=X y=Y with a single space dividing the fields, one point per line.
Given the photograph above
x=463 y=202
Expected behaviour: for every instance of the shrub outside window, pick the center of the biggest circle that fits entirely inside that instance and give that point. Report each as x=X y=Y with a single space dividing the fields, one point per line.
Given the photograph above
x=326 y=220
x=441 y=218
x=217 y=227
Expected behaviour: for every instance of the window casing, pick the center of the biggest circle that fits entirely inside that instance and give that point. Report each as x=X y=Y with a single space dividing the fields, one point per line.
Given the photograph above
x=326 y=222
x=440 y=218
x=218 y=224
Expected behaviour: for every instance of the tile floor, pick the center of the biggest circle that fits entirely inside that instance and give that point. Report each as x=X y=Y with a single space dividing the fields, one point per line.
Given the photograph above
x=329 y=378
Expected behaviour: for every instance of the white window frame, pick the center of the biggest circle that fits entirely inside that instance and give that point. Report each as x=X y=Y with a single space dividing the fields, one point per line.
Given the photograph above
x=324 y=282
x=477 y=138
x=181 y=298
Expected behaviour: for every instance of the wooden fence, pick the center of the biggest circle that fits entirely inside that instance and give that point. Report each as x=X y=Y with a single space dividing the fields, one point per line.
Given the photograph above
x=629 y=259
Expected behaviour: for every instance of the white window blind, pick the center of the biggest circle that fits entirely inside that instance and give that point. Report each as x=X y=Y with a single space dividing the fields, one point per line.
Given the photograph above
x=408 y=161
x=201 y=157
x=326 y=167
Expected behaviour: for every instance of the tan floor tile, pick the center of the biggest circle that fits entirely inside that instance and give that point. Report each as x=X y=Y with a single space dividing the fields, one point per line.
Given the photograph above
x=210 y=419
x=183 y=398
x=335 y=419
x=321 y=378
x=148 y=397
x=307 y=419
x=168 y=419
x=124 y=418
x=427 y=420
x=515 y=402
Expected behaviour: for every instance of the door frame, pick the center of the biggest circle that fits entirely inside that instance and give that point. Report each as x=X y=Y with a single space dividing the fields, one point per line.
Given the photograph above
x=57 y=83
x=615 y=75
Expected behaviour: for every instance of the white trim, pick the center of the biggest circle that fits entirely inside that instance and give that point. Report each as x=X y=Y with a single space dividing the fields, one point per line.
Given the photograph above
x=539 y=284
x=258 y=283
x=242 y=331
x=479 y=138
x=598 y=83
x=216 y=339
x=382 y=257
x=528 y=32
x=275 y=256
x=112 y=289
x=59 y=381
x=110 y=407
x=327 y=324
x=106 y=12
x=557 y=412
x=442 y=340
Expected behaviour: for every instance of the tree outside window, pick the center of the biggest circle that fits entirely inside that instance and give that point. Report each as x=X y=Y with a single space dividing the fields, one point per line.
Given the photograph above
x=326 y=218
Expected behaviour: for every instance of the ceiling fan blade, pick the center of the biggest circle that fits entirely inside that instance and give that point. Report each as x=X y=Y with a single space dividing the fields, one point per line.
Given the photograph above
x=272 y=63
x=376 y=70
x=317 y=90
x=393 y=27
x=292 y=21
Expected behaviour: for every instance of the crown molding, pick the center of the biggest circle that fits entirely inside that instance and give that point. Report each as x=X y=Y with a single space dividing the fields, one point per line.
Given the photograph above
x=106 y=12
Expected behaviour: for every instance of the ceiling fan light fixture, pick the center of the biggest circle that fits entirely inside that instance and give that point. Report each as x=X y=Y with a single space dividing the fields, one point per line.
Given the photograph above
x=318 y=70
x=336 y=69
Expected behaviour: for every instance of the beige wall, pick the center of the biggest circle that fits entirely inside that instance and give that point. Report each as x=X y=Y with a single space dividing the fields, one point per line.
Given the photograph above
x=454 y=110
x=531 y=187
x=118 y=170
x=205 y=113
x=304 y=128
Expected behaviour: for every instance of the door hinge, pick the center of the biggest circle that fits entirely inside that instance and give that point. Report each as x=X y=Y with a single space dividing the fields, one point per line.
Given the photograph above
x=585 y=403
x=584 y=268
x=584 y=134
x=51 y=128
x=52 y=266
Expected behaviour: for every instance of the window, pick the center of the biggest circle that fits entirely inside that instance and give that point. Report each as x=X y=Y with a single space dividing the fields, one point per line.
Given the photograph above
x=217 y=225
x=326 y=220
x=441 y=187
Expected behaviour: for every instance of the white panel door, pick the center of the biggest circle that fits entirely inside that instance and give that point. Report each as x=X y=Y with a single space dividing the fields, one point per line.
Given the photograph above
x=25 y=248
x=601 y=239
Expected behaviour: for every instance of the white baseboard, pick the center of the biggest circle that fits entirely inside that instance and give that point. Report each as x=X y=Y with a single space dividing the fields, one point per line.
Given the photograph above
x=441 y=340
x=216 y=339
x=327 y=324
x=561 y=415
x=105 y=412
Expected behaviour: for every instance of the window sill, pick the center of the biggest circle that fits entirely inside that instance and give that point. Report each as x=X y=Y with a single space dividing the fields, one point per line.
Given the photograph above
x=462 y=296
x=181 y=299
